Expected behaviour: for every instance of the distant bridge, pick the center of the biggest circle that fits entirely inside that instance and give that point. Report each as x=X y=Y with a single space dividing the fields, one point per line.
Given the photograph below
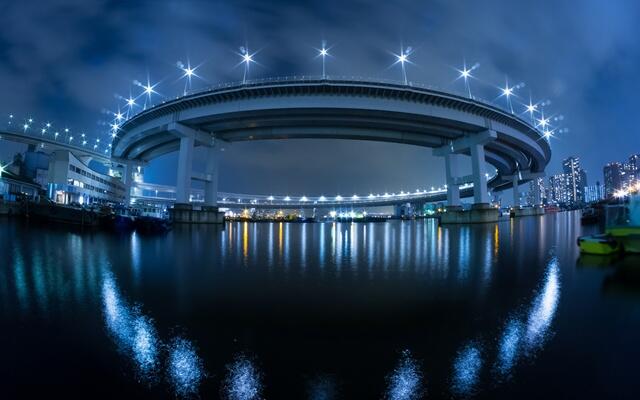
x=43 y=142
x=167 y=194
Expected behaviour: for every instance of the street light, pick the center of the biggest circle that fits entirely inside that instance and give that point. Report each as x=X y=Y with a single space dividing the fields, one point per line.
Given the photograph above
x=247 y=59
x=402 y=59
x=508 y=91
x=323 y=52
x=188 y=73
x=465 y=73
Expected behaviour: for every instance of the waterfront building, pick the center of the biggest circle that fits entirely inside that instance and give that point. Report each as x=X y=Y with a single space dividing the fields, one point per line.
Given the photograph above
x=556 y=192
x=614 y=176
x=72 y=181
x=531 y=197
x=631 y=171
x=594 y=193
x=575 y=180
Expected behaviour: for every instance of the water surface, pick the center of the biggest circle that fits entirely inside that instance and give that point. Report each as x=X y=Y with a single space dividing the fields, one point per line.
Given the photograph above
x=398 y=310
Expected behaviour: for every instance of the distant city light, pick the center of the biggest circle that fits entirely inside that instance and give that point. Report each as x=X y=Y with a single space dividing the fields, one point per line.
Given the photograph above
x=338 y=198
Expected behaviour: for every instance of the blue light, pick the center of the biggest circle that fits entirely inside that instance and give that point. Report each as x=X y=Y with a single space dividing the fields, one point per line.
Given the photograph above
x=244 y=381
x=466 y=369
x=544 y=307
x=405 y=382
x=133 y=332
x=185 y=367
x=508 y=349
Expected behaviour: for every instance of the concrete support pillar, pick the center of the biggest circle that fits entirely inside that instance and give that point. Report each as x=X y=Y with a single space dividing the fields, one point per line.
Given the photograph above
x=452 y=166
x=185 y=161
x=480 y=194
x=516 y=193
x=211 y=174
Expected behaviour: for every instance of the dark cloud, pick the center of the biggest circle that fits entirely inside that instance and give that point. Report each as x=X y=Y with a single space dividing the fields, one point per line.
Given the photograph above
x=68 y=60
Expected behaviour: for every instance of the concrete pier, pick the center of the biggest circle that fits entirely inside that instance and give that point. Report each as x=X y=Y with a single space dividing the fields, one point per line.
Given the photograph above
x=526 y=211
x=183 y=213
x=478 y=214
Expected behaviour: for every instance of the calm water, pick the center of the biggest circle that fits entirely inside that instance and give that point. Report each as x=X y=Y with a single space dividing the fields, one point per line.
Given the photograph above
x=398 y=310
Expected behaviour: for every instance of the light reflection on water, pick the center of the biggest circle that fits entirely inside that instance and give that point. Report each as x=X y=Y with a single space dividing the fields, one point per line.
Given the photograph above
x=186 y=369
x=322 y=387
x=508 y=347
x=463 y=259
x=523 y=335
x=544 y=307
x=243 y=380
x=133 y=332
x=466 y=370
x=137 y=338
x=405 y=382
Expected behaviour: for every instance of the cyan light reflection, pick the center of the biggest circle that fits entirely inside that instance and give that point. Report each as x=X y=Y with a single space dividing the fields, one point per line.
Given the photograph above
x=186 y=369
x=22 y=291
x=405 y=382
x=322 y=388
x=244 y=381
x=145 y=346
x=544 y=307
x=525 y=334
x=509 y=344
x=133 y=332
x=466 y=370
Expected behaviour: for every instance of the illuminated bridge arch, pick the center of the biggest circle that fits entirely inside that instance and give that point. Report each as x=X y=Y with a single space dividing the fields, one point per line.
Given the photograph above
x=337 y=109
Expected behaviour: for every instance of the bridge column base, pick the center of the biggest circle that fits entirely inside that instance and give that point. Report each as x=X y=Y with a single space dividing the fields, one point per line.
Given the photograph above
x=526 y=211
x=182 y=213
x=478 y=214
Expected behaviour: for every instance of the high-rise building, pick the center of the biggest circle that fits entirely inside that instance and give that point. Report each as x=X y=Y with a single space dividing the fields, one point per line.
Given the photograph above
x=556 y=192
x=614 y=176
x=531 y=197
x=594 y=193
x=631 y=171
x=576 y=180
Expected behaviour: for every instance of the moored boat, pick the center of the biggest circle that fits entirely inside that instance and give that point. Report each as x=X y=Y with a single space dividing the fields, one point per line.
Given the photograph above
x=627 y=236
x=599 y=244
x=54 y=212
x=148 y=224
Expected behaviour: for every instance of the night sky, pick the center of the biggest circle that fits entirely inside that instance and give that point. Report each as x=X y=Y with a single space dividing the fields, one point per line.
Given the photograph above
x=70 y=61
